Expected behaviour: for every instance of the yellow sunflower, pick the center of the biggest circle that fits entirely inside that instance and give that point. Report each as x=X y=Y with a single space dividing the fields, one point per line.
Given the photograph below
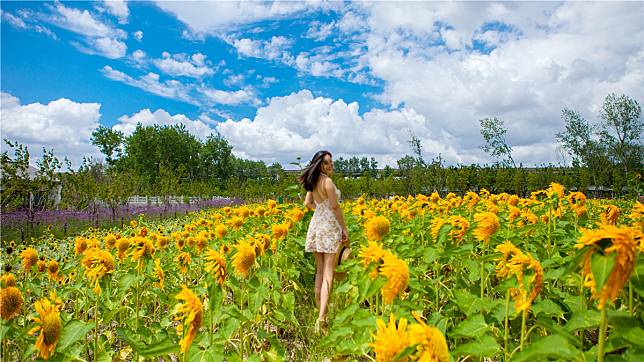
x=397 y=274
x=244 y=258
x=10 y=302
x=216 y=265
x=280 y=231
x=52 y=269
x=184 y=262
x=431 y=345
x=97 y=264
x=377 y=227
x=487 y=223
x=49 y=326
x=142 y=249
x=158 y=273
x=514 y=263
x=390 y=339
x=610 y=215
x=608 y=240
x=29 y=258
x=221 y=230
x=189 y=313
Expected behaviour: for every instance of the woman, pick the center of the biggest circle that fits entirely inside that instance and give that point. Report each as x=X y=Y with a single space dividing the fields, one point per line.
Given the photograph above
x=327 y=230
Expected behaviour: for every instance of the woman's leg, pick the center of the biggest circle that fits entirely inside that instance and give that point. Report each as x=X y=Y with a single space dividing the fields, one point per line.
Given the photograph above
x=327 y=283
x=319 y=264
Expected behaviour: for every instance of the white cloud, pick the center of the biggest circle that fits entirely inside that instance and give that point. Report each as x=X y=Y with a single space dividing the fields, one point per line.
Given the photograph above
x=127 y=124
x=99 y=38
x=62 y=124
x=547 y=56
x=138 y=35
x=273 y=49
x=179 y=65
x=138 y=55
x=119 y=9
x=320 y=31
x=151 y=83
x=229 y=97
x=110 y=48
x=300 y=125
x=23 y=22
x=215 y=17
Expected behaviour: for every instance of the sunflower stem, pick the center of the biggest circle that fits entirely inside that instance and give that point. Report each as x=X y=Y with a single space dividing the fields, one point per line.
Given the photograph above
x=483 y=270
x=549 y=222
x=96 y=329
x=602 y=336
x=505 y=335
x=630 y=298
x=524 y=315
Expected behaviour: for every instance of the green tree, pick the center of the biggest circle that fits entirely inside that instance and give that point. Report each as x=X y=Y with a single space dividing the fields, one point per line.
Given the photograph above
x=621 y=131
x=109 y=142
x=493 y=132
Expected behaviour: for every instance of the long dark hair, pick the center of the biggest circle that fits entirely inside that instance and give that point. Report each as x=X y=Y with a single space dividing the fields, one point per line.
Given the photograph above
x=311 y=174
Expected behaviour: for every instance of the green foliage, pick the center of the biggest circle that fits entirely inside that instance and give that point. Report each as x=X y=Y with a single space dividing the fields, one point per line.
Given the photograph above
x=493 y=132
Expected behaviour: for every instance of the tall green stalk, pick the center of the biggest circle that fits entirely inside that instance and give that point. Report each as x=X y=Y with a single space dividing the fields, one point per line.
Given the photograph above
x=602 y=336
x=524 y=316
x=96 y=329
x=483 y=270
x=506 y=334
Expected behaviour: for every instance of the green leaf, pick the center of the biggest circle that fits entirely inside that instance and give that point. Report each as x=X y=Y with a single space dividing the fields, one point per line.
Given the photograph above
x=486 y=346
x=637 y=278
x=635 y=336
x=473 y=326
x=602 y=266
x=430 y=255
x=552 y=346
x=548 y=308
x=213 y=353
x=405 y=353
x=583 y=320
x=73 y=332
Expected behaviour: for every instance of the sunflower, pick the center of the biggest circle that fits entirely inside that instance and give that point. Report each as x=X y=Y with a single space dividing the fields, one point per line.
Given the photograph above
x=243 y=212
x=216 y=265
x=513 y=213
x=97 y=263
x=280 y=231
x=49 y=325
x=184 y=262
x=397 y=274
x=460 y=225
x=190 y=316
x=431 y=345
x=158 y=272
x=52 y=269
x=41 y=265
x=390 y=339
x=236 y=222
x=8 y=280
x=122 y=245
x=110 y=241
x=244 y=258
x=80 y=245
x=610 y=215
x=514 y=263
x=608 y=240
x=29 y=258
x=436 y=226
x=487 y=223
x=162 y=241
x=555 y=190
x=372 y=253
x=10 y=301
x=377 y=227
x=221 y=230
x=143 y=248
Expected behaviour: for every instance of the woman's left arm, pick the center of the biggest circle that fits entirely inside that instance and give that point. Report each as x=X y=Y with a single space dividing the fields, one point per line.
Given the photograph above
x=308 y=201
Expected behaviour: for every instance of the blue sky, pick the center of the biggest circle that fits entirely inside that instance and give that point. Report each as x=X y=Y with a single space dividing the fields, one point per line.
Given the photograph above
x=284 y=79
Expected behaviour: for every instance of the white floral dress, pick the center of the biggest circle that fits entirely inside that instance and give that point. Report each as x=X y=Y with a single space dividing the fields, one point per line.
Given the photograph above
x=325 y=234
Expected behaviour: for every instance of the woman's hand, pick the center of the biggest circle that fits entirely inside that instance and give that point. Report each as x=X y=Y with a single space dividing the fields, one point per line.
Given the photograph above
x=345 y=236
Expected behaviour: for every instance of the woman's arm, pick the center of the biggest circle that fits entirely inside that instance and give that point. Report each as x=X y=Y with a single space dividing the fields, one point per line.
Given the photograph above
x=308 y=201
x=335 y=207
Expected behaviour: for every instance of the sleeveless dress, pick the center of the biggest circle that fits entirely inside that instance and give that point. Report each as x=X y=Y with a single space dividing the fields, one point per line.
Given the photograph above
x=324 y=234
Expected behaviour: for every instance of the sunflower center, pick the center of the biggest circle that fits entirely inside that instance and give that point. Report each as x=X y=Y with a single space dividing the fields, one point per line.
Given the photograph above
x=51 y=328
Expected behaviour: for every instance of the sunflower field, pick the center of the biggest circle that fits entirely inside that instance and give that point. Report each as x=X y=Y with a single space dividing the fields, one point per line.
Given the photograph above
x=481 y=276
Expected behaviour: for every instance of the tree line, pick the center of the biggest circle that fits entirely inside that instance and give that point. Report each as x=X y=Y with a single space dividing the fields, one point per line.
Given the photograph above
x=169 y=161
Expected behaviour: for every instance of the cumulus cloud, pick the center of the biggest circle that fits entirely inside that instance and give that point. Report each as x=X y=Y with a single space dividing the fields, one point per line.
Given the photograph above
x=198 y=127
x=62 y=125
x=181 y=65
x=300 y=124
x=273 y=49
x=118 y=8
x=229 y=97
x=138 y=35
x=215 y=17
x=319 y=31
x=23 y=21
x=151 y=83
x=98 y=37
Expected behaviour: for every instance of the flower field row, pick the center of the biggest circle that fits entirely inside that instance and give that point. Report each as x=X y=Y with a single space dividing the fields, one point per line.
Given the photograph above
x=492 y=276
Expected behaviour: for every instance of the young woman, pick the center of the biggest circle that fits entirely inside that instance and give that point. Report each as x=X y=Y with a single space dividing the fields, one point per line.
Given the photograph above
x=327 y=230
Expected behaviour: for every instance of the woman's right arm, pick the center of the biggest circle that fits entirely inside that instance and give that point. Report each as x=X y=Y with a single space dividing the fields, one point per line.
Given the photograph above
x=308 y=201
x=335 y=207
